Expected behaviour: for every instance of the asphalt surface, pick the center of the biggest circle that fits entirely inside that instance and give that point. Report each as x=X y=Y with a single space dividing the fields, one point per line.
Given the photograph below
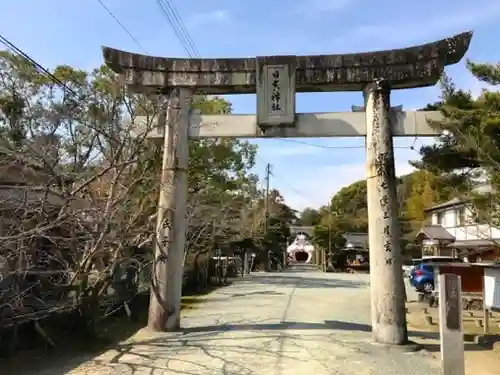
x=294 y=322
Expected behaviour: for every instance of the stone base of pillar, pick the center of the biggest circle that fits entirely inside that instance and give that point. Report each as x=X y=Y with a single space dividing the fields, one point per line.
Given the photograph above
x=407 y=347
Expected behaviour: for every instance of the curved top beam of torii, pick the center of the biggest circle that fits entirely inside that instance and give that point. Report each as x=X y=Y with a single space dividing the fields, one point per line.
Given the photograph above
x=416 y=66
x=296 y=229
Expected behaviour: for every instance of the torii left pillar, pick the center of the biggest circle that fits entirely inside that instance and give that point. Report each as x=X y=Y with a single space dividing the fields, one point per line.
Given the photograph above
x=386 y=278
x=167 y=275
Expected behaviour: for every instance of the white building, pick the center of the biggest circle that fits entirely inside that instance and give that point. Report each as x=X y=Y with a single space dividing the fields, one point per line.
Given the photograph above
x=455 y=231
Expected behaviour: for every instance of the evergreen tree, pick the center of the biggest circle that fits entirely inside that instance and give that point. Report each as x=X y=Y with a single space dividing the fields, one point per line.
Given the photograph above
x=469 y=148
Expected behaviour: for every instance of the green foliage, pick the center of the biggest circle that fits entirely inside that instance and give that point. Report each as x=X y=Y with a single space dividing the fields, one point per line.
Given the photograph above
x=329 y=239
x=349 y=212
x=350 y=208
x=273 y=241
x=469 y=147
x=309 y=217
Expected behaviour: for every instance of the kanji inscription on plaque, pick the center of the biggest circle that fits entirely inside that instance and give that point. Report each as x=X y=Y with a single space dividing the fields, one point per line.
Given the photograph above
x=276 y=95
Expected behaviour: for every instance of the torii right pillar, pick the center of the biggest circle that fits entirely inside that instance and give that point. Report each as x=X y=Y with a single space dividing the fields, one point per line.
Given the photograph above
x=388 y=314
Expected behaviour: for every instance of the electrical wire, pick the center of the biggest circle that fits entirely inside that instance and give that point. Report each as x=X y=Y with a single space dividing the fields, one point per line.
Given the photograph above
x=175 y=21
x=308 y=197
x=338 y=147
x=317 y=145
x=7 y=43
x=296 y=191
x=122 y=26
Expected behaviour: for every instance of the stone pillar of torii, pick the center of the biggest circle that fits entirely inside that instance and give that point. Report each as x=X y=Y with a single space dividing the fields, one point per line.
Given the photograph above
x=276 y=80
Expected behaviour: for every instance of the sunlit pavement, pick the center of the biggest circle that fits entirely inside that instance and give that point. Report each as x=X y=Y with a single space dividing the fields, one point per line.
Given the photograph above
x=293 y=322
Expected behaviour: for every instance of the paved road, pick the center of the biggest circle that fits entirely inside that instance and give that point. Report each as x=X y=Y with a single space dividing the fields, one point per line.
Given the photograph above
x=281 y=324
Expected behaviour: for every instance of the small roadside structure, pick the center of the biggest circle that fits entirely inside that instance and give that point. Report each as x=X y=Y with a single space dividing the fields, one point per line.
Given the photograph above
x=355 y=253
x=480 y=285
x=435 y=241
x=355 y=240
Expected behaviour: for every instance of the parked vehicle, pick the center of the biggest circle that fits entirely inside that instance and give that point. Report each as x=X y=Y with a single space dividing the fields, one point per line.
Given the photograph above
x=422 y=275
x=422 y=278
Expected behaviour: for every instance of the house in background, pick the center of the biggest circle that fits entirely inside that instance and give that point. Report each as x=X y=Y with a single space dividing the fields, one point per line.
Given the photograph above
x=355 y=252
x=356 y=240
x=454 y=231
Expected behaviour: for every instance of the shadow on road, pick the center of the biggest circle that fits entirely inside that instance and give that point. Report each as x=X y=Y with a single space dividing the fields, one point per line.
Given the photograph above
x=469 y=339
x=210 y=347
x=283 y=326
x=219 y=352
x=327 y=325
x=71 y=351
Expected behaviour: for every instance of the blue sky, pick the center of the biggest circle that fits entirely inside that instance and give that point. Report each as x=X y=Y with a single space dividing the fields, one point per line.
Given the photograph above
x=71 y=32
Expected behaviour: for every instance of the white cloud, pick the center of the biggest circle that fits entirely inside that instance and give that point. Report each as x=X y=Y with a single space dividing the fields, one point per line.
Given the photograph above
x=209 y=18
x=309 y=176
x=314 y=187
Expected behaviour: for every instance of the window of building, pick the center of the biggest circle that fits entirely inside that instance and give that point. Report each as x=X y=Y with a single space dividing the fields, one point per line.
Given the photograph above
x=440 y=218
x=460 y=216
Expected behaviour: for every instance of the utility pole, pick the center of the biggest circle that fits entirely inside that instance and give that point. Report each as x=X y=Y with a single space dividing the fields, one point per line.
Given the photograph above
x=285 y=255
x=266 y=219
x=329 y=235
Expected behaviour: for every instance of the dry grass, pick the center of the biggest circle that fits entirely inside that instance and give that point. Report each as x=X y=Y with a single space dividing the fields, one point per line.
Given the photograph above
x=479 y=360
x=417 y=313
x=110 y=332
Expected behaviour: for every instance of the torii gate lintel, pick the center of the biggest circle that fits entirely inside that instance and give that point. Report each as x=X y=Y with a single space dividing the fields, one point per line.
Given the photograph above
x=411 y=67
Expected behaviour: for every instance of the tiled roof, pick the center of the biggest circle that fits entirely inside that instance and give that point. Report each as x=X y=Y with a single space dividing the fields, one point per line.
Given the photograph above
x=300 y=229
x=452 y=202
x=435 y=232
x=356 y=238
x=476 y=243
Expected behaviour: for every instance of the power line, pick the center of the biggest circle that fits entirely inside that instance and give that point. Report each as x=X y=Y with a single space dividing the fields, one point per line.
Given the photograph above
x=336 y=147
x=328 y=205
x=317 y=145
x=175 y=21
x=298 y=192
x=122 y=26
x=7 y=43
x=177 y=16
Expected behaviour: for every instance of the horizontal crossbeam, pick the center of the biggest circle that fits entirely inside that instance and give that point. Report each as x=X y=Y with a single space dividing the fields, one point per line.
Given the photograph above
x=416 y=66
x=313 y=125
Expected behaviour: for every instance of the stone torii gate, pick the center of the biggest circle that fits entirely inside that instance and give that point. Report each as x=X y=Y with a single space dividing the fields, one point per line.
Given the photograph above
x=275 y=80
